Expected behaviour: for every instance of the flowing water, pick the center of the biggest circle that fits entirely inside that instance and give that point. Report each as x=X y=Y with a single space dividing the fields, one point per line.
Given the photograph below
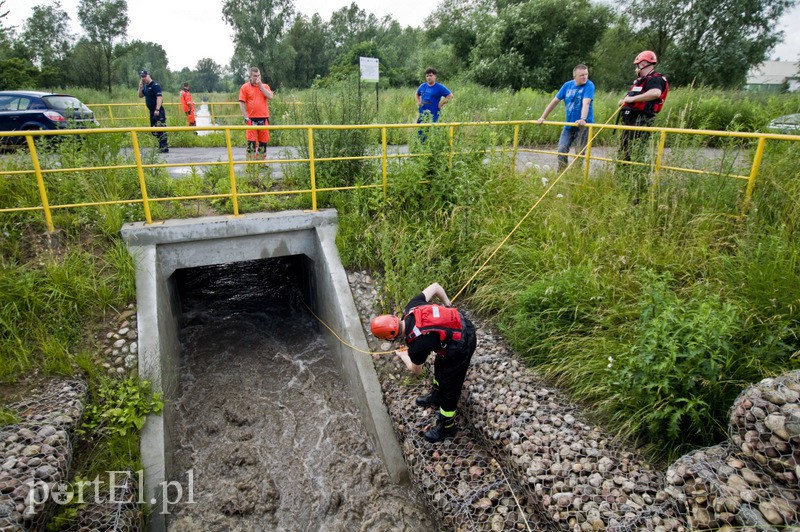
x=267 y=430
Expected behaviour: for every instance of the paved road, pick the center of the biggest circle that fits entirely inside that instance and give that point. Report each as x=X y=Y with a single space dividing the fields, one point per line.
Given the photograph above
x=708 y=158
x=189 y=156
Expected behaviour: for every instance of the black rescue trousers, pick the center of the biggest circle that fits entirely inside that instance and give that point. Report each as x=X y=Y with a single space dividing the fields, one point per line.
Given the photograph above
x=450 y=369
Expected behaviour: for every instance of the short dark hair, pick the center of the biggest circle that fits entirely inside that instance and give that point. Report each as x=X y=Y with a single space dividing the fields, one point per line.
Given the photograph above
x=431 y=70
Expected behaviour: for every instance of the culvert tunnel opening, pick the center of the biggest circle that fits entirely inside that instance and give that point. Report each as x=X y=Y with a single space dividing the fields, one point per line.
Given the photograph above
x=266 y=432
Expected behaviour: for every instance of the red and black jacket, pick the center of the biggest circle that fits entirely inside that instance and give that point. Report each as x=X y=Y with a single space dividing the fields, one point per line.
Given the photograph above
x=640 y=87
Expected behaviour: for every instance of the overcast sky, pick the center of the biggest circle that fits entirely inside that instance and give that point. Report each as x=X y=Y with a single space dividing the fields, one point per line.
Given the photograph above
x=190 y=31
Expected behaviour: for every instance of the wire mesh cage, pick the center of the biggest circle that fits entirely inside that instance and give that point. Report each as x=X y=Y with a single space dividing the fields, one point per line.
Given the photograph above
x=35 y=454
x=114 y=510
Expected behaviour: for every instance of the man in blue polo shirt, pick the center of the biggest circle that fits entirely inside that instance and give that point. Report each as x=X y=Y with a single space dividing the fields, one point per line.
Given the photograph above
x=431 y=97
x=578 y=97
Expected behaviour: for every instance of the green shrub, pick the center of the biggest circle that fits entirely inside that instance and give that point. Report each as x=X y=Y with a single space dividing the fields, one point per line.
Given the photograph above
x=676 y=375
x=119 y=408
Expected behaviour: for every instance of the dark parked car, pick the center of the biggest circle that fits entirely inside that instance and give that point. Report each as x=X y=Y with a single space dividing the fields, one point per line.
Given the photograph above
x=31 y=110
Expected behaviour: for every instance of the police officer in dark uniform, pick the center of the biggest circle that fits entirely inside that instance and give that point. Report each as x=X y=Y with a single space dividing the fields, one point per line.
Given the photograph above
x=428 y=328
x=151 y=92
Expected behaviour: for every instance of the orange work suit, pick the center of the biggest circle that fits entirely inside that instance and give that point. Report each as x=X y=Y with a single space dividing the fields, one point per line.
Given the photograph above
x=257 y=107
x=188 y=107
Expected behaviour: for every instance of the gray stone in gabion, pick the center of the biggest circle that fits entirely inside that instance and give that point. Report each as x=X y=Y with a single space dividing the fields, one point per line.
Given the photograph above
x=765 y=426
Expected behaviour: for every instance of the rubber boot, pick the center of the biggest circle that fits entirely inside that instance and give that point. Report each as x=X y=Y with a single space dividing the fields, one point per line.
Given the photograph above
x=445 y=428
x=431 y=399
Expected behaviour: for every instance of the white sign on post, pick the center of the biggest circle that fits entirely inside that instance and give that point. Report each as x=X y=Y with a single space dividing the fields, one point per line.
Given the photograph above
x=369 y=68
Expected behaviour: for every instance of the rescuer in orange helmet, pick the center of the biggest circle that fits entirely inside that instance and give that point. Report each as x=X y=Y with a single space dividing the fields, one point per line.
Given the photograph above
x=643 y=101
x=429 y=328
x=639 y=108
x=187 y=105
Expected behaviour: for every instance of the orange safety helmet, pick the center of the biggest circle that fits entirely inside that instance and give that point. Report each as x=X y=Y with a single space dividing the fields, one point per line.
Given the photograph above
x=385 y=326
x=648 y=56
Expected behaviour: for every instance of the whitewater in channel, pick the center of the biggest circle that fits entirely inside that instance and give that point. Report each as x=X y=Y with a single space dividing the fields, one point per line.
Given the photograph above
x=264 y=421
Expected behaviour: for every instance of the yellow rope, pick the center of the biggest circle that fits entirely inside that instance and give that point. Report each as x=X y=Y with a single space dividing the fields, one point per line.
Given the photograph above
x=511 y=489
x=502 y=243
x=354 y=348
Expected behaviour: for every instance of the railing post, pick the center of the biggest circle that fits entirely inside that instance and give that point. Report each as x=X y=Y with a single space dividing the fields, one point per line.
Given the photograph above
x=48 y=217
x=213 y=116
x=662 y=141
x=751 y=183
x=451 y=132
x=140 y=171
x=234 y=197
x=110 y=114
x=587 y=152
x=383 y=160
x=515 y=149
x=312 y=169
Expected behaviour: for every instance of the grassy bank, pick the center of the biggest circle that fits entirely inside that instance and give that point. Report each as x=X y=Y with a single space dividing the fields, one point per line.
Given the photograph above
x=654 y=315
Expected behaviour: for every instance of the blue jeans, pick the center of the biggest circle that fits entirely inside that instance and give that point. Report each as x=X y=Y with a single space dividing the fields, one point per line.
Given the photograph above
x=569 y=136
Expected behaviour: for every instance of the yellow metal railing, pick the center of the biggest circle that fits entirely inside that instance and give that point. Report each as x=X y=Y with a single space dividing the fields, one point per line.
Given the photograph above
x=139 y=112
x=383 y=155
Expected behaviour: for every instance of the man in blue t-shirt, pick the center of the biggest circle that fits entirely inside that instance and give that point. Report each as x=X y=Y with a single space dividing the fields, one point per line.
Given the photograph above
x=578 y=97
x=431 y=97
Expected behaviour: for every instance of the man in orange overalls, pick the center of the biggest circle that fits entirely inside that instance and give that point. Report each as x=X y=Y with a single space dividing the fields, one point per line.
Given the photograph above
x=187 y=105
x=254 y=99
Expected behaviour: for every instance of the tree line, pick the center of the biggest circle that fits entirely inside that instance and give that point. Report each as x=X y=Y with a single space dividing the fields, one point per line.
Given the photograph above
x=503 y=44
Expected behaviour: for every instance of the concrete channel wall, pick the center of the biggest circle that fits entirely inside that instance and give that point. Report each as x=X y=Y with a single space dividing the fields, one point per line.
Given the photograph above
x=159 y=250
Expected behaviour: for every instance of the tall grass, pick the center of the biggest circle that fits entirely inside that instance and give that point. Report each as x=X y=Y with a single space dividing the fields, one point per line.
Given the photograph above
x=43 y=306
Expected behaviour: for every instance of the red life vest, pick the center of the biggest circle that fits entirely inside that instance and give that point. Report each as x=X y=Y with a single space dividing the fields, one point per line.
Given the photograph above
x=445 y=321
x=653 y=106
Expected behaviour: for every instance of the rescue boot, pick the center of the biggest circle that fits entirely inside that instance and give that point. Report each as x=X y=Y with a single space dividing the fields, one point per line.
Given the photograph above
x=445 y=428
x=431 y=399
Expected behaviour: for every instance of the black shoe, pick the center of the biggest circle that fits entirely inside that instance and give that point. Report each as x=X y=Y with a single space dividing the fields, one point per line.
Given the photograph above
x=164 y=150
x=445 y=428
x=432 y=399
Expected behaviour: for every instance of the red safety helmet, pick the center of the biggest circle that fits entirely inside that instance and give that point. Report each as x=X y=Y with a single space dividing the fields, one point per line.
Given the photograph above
x=648 y=56
x=385 y=326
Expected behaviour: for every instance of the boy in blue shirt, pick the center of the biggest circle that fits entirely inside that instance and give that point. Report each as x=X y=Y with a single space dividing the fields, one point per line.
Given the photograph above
x=578 y=96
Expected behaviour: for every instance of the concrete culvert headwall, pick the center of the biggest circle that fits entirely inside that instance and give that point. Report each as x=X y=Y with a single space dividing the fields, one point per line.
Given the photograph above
x=164 y=253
